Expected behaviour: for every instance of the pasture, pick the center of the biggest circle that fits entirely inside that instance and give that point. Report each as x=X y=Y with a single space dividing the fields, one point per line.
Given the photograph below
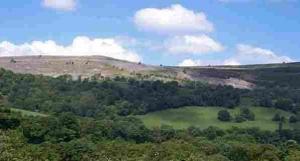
x=204 y=117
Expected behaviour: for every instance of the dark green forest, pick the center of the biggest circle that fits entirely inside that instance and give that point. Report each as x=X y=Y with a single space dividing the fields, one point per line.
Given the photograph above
x=94 y=120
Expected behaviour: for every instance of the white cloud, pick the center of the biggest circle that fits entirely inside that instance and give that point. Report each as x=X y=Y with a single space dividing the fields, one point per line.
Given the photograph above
x=189 y=44
x=242 y=1
x=198 y=62
x=172 y=20
x=247 y=54
x=231 y=62
x=81 y=46
x=231 y=1
x=190 y=63
x=65 y=5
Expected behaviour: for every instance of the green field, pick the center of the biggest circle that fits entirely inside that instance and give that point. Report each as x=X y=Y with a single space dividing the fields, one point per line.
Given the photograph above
x=28 y=113
x=204 y=117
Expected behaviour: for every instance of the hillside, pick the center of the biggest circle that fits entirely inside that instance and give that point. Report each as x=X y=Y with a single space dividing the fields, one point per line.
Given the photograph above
x=245 y=77
x=203 y=117
x=75 y=66
x=43 y=117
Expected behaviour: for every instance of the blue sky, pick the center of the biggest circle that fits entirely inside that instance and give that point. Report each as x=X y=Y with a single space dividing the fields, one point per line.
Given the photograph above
x=178 y=32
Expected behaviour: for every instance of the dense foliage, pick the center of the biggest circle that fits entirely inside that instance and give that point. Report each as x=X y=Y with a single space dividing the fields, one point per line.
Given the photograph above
x=66 y=137
x=121 y=96
x=285 y=98
x=91 y=120
x=224 y=115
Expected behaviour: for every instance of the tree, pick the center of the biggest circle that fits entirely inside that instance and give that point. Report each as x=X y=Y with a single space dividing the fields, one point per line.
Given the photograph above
x=130 y=128
x=224 y=115
x=167 y=132
x=77 y=150
x=12 y=60
x=9 y=123
x=244 y=115
x=280 y=125
x=284 y=104
x=247 y=114
x=34 y=130
x=239 y=119
x=213 y=132
x=68 y=127
x=1 y=97
x=276 y=117
x=293 y=119
x=266 y=101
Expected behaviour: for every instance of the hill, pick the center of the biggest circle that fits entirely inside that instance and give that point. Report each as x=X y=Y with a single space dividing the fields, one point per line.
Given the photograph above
x=245 y=77
x=74 y=66
x=90 y=120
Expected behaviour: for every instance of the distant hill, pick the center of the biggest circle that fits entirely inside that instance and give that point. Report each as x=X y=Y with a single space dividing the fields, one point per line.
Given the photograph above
x=247 y=76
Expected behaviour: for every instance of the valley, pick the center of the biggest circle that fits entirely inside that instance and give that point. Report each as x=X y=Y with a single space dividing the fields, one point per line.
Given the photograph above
x=78 y=108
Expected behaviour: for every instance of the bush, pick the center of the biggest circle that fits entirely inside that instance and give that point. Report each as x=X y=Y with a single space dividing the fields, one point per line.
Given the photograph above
x=213 y=132
x=284 y=104
x=240 y=119
x=4 y=110
x=224 y=115
x=276 y=117
x=247 y=114
x=293 y=119
x=77 y=150
x=9 y=123
x=266 y=102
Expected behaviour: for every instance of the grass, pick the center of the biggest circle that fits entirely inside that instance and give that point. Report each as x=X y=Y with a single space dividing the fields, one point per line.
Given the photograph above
x=204 y=117
x=28 y=113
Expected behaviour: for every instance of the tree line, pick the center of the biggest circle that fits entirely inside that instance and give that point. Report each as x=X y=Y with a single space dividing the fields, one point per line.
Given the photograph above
x=92 y=120
x=67 y=137
x=120 y=96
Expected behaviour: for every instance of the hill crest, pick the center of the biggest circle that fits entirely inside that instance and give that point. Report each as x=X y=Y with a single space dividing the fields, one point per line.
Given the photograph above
x=88 y=66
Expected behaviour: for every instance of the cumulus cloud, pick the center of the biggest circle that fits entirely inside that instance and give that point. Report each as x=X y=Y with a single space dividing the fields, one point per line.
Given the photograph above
x=190 y=63
x=230 y=1
x=190 y=44
x=81 y=46
x=247 y=54
x=231 y=62
x=271 y=1
x=198 y=62
x=172 y=20
x=65 y=5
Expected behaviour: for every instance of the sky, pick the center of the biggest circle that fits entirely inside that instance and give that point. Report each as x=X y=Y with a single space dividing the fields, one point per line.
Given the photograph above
x=167 y=32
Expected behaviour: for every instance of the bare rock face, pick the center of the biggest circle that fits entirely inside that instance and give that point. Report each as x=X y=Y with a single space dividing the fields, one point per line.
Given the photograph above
x=86 y=67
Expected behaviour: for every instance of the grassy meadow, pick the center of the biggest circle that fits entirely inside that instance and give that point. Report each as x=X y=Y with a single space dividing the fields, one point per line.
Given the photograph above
x=204 y=117
x=28 y=113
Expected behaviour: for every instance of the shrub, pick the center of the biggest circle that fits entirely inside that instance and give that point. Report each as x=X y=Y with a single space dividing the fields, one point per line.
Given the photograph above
x=247 y=114
x=276 y=117
x=240 y=119
x=284 y=104
x=4 y=109
x=213 y=132
x=266 y=102
x=224 y=115
x=293 y=119
x=77 y=150
x=9 y=123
